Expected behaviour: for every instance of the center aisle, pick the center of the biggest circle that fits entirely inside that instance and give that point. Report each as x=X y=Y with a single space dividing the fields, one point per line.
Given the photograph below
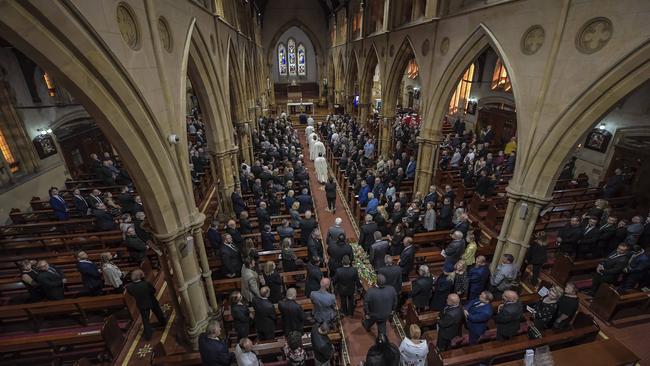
x=358 y=341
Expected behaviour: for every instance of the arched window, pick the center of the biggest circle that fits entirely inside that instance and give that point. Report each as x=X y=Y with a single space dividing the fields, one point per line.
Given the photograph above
x=500 y=79
x=7 y=155
x=302 y=67
x=461 y=94
x=282 y=59
x=291 y=45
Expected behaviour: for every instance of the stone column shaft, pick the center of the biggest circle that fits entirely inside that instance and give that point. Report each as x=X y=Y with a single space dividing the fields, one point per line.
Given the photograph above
x=228 y=175
x=426 y=163
x=244 y=131
x=518 y=226
x=385 y=137
x=205 y=269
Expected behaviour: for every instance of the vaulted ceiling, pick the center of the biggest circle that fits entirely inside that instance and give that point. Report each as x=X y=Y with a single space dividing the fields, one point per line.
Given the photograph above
x=328 y=5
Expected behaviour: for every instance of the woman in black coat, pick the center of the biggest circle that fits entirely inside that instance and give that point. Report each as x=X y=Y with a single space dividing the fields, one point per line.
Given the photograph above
x=422 y=289
x=273 y=280
x=314 y=275
x=536 y=255
x=442 y=290
x=446 y=214
x=240 y=315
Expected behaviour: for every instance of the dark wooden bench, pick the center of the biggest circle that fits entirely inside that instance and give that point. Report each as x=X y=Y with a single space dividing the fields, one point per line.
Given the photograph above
x=608 y=301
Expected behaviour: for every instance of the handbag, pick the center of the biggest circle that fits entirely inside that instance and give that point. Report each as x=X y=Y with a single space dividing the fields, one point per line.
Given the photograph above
x=533 y=332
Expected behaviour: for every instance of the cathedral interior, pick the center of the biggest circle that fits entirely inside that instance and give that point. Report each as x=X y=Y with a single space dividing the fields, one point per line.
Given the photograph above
x=186 y=158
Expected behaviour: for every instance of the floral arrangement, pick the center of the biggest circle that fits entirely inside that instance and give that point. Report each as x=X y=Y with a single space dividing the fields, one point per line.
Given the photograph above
x=362 y=264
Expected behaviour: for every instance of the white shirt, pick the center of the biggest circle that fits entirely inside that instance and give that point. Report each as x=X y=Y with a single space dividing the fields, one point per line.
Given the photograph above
x=246 y=358
x=412 y=354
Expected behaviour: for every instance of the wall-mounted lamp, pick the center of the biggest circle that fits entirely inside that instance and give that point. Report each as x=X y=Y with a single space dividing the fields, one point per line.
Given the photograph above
x=602 y=126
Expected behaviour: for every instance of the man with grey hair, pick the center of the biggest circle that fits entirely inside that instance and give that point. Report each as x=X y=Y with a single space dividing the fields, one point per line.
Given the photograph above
x=366 y=238
x=324 y=302
x=392 y=274
x=378 y=251
x=293 y=317
x=213 y=349
x=453 y=251
x=244 y=353
x=378 y=305
x=422 y=288
x=334 y=231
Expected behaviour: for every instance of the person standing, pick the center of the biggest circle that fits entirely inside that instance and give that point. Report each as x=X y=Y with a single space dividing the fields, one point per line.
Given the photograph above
x=345 y=284
x=264 y=315
x=59 y=206
x=477 y=313
x=536 y=255
x=504 y=275
x=330 y=194
x=378 y=251
x=610 y=268
x=336 y=253
x=307 y=226
x=413 y=350
x=449 y=323
x=213 y=349
x=244 y=353
x=407 y=258
x=314 y=275
x=250 y=281
x=240 y=315
x=378 y=305
x=334 y=232
x=293 y=317
x=324 y=302
x=508 y=316
x=478 y=277
x=90 y=275
x=422 y=288
x=321 y=344
x=145 y=298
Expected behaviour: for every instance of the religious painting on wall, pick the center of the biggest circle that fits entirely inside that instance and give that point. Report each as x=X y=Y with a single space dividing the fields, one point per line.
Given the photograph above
x=598 y=140
x=44 y=145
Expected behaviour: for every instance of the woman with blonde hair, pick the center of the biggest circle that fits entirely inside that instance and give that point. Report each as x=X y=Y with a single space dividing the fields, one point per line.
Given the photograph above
x=288 y=257
x=240 y=315
x=546 y=308
x=413 y=350
x=295 y=215
x=273 y=280
x=469 y=255
x=460 y=279
x=112 y=274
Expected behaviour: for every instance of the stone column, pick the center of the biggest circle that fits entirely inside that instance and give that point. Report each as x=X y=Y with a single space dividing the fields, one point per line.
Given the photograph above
x=426 y=163
x=363 y=113
x=180 y=249
x=206 y=273
x=246 y=139
x=227 y=175
x=518 y=225
x=385 y=137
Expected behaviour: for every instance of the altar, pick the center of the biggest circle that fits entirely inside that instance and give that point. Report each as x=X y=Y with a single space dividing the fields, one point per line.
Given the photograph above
x=300 y=107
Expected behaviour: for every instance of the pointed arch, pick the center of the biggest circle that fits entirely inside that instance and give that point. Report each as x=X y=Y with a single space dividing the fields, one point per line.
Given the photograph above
x=331 y=79
x=581 y=115
x=313 y=38
x=405 y=53
x=476 y=43
x=235 y=84
x=352 y=74
x=366 y=82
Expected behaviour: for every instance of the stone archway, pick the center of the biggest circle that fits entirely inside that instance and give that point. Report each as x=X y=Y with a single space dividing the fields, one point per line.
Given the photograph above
x=76 y=56
x=238 y=112
x=351 y=82
x=366 y=83
x=340 y=81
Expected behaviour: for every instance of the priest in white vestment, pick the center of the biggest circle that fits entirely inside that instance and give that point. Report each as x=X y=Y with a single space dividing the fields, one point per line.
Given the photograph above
x=321 y=168
x=308 y=131
x=318 y=148
x=313 y=137
x=310 y=121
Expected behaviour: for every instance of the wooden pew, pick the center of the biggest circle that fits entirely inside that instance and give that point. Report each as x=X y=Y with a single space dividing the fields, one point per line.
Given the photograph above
x=47 y=227
x=67 y=242
x=564 y=268
x=608 y=301
x=584 y=329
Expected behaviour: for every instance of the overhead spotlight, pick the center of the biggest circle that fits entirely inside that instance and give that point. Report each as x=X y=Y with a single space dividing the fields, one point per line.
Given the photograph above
x=49 y=130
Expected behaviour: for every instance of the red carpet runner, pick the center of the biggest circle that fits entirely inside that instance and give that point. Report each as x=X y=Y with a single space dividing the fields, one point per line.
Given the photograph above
x=357 y=339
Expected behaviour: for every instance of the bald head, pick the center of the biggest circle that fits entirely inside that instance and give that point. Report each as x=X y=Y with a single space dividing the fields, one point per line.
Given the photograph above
x=453 y=300
x=324 y=284
x=510 y=296
x=291 y=293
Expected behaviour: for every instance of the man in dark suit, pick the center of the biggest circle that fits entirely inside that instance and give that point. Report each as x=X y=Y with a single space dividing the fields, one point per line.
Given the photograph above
x=214 y=350
x=392 y=274
x=453 y=251
x=137 y=205
x=459 y=126
x=237 y=238
x=478 y=277
x=508 y=316
x=379 y=304
x=103 y=220
x=614 y=184
x=126 y=200
x=315 y=244
x=477 y=313
x=231 y=261
x=51 y=280
x=346 y=282
x=80 y=203
x=314 y=275
x=293 y=317
x=569 y=237
x=637 y=268
x=105 y=174
x=59 y=205
x=264 y=315
x=90 y=275
x=368 y=229
x=334 y=231
x=378 y=251
x=407 y=258
x=611 y=267
x=245 y=226
x=94 y=198
x=145 y=298
x=321 y=344
x=422 y=289
x=305 y=200
x=463 y=224
x=606 y=233
x=589 y=241
x=263 y=216
x=307 y=225
x=214 y=236
x=238 y=203
x=336 y=253
x=449 y=322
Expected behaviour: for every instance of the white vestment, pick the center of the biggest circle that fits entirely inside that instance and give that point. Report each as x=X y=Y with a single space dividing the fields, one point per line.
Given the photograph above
x=317 y=148
x=310 y=121
x=321 y=169
x=312 y=138
x=308 y=131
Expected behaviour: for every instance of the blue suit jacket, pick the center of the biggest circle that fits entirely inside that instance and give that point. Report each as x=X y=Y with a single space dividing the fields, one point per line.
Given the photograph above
x=478 y=316
x=90 y=275
x=363 y=195
x=238 y=203
x=215 y=238
x=60 y=208
x=478 y=278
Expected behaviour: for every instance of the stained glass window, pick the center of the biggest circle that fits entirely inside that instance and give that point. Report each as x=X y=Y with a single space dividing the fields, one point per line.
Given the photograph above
x=461 y=94
x=291 y=45
x=500 y=79
x=282 y=59
x=302 y=67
